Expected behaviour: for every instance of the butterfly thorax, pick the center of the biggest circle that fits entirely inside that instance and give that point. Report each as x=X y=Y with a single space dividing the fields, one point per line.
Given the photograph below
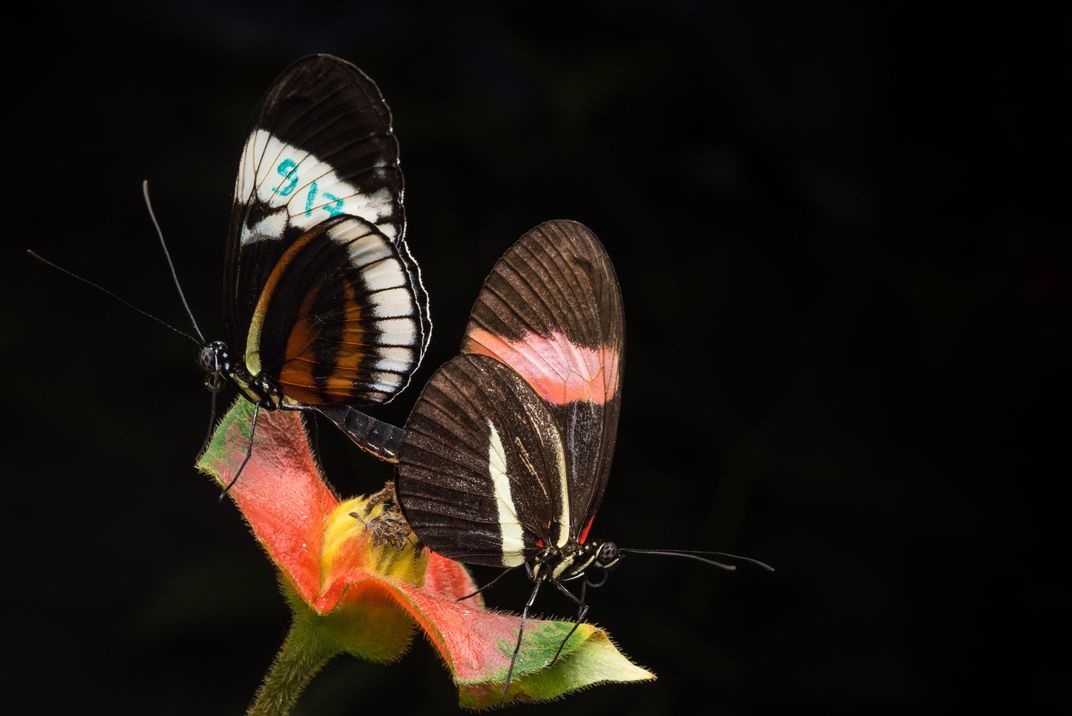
x=573 y=560
x=215 y=361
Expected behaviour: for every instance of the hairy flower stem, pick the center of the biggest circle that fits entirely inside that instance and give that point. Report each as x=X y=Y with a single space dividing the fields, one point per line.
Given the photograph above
x=304 y=653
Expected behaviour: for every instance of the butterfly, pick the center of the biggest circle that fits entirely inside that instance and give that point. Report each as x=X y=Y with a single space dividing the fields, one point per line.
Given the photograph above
x=324 y=307
x=508 y=448
x=507 y=451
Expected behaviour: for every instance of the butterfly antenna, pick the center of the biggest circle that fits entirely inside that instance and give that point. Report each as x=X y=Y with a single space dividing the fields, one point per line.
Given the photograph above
x=702 y=556
x=167 y=255
x=105 y=291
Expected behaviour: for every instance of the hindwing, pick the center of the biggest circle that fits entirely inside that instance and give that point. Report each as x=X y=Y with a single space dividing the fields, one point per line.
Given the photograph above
x=337 y=320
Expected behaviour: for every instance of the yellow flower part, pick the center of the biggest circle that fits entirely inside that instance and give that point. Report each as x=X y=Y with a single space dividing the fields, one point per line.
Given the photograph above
x=370 y=533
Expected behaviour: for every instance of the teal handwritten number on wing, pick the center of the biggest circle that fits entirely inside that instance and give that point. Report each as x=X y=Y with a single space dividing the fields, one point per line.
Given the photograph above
x=288 y=169
x=335 y=207
x=309 y=199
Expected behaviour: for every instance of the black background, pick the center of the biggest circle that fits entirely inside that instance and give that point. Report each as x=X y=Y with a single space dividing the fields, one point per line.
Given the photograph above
x=842 y=239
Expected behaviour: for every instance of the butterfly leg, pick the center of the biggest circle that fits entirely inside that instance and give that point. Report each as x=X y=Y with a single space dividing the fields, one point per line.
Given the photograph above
x=520 y=633
x=582 y=612
x=310 y=414
x=214 y=389
x=600 y=583
x=295 y=408
x=311 y=420
x=249 y=450
x=488 y=585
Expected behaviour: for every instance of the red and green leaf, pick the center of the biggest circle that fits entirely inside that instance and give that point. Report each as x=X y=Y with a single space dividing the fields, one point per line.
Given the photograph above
x=352 y=595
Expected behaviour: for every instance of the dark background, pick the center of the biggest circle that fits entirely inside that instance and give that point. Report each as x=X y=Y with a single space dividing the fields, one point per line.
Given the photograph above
x=842 y=238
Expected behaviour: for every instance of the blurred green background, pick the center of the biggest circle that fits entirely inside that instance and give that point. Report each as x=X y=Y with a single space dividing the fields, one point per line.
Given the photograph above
x=842 y=238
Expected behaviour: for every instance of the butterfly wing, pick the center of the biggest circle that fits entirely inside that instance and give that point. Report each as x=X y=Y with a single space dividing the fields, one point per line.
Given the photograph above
x=338 y=320
x=481 y=473
x=320 y=146
x=551 y=310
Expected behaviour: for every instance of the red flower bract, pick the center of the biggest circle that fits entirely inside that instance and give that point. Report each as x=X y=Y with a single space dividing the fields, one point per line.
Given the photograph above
x=358 y=584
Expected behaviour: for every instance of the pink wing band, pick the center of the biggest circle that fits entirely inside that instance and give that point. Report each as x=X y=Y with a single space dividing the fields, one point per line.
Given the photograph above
x=559 y=370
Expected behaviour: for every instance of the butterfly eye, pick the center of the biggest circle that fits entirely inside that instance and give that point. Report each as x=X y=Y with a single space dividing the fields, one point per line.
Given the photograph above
x=608 y=553
x=213 y=357
x=206 y=360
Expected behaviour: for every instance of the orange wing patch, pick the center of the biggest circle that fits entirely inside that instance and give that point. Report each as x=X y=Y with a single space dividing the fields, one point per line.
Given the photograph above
x=301 y=357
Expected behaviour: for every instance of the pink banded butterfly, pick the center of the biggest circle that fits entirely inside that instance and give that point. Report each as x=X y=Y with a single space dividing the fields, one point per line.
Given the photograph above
x=508 y=449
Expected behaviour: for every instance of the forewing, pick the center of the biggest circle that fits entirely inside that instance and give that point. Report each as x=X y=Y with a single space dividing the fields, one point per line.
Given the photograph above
x=551 y=310
x=338 y=320
x=320 y=145
x=481 y=472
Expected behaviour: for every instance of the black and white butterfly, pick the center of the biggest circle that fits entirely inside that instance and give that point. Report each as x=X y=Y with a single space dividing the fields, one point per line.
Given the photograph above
x=508 y=448
x=324 y=308
x=323 y=304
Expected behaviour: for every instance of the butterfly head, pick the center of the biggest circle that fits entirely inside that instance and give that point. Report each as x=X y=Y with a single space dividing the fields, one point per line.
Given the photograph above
x=215 y=362
x=574 y=561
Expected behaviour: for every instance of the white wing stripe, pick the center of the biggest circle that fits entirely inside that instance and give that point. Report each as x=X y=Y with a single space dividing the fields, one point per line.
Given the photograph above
x=308 y=187
x=392 y=303
x=397 y=331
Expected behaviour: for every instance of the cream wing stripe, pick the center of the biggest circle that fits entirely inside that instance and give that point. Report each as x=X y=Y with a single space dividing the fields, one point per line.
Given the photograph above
x=564 y=520
x=513 y=541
